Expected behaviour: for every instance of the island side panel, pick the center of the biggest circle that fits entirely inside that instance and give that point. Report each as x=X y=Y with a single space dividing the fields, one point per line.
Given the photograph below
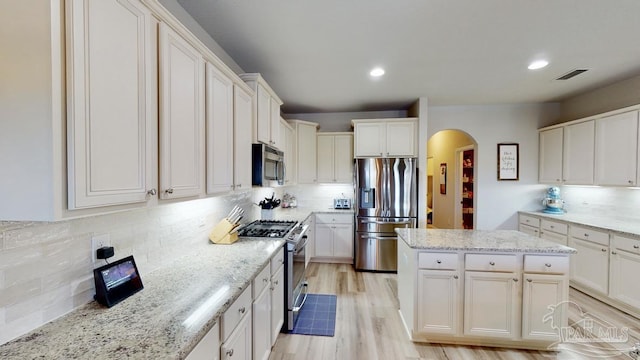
x=407 y=285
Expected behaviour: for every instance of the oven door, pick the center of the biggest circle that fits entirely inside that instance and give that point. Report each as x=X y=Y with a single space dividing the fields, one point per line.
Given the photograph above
x=296 y=280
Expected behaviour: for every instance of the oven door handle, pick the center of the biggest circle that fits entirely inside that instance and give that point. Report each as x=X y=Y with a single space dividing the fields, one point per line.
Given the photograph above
x=299 y=247
x=297 y=308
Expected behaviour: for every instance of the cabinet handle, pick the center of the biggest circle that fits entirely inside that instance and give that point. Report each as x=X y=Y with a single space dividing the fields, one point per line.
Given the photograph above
x=553 y=227
x=603 y=250
x=630 y=181
x=230 y=352
x=529 y=280
x=636 y=246
x=515 y=280
x=242 y=310
x=276 y=282
x=491 y=263
x=265 y=280
x=586 y=235
x=439 y=261
x=557 y=179
x=614 y=253
x=169 y=191
x=455 y=276
x=547 y=265
x=152 y=192
x=239 y=185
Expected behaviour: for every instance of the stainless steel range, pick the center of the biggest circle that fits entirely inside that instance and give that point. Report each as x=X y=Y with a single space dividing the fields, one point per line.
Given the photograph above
x=294 y=264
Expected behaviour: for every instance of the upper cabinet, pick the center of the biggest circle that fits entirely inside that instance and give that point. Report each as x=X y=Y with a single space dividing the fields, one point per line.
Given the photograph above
x=242 y=114
x=266 y=121
x=111 y=89
x=617 y=149
x=550 y=156
x=578 y=153
x=288 y=138
x=182 y=128
x=305 y=144
x=386 y=137
x=335 y=157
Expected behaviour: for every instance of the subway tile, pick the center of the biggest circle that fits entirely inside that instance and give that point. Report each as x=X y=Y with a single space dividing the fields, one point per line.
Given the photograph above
x=31 y=236
x=17 y=293
x=15 y=257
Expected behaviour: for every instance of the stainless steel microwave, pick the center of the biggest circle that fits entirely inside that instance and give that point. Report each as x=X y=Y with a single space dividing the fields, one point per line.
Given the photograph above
x=268 y=165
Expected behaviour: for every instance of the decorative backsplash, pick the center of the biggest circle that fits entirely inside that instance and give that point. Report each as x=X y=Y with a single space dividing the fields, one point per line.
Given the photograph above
x=624 y=202
x=46 y=269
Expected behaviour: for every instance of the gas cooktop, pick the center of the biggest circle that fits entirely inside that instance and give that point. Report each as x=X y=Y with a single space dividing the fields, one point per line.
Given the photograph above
x=267 y=228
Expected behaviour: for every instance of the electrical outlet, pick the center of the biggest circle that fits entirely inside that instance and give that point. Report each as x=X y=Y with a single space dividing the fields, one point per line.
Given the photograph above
x=98 y=241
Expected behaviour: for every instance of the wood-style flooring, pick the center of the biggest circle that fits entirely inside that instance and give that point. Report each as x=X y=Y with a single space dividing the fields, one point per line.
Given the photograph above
x=369 y=327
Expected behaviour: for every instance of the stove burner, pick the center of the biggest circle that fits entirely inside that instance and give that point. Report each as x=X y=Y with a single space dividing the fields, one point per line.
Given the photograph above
x=267 y=228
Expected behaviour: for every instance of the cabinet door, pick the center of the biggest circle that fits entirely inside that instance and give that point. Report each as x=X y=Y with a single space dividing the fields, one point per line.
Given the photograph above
x=263 y=115
x=209 y=347
x=287 y=137
x=310 y=249
x=277 y=303
x=343 y=158
x=579 y=153
x=550 y=156
x=112 y=103
x=439 y=297
x=181 y=117
x=306 y=147
x=261 y=310
x=323 y=240
x=238 y=345
x=616 y=149
x=543 y=307
x=219 y=124
x=623 y=277
x=491 y=304
x=343 y=240
x=274 y=121
x=242 y=112
x=370 y=139
x=325 y=158
x=590 y=266
x=401 y=139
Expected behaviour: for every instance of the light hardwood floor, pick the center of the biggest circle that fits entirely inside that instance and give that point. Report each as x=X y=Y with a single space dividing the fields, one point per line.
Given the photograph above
x=368 y=325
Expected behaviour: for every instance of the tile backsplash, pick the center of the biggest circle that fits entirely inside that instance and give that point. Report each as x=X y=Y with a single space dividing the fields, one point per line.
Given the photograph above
x=622 y=202
x=46 y=269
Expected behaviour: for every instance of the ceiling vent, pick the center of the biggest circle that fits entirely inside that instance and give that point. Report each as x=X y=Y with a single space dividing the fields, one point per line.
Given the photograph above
x=571 y=74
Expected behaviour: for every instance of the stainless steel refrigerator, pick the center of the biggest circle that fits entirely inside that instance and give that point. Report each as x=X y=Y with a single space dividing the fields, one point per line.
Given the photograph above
x=386 y=198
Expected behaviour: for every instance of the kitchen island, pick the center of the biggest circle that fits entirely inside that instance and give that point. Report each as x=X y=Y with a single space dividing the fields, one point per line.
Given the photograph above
x=489 y=288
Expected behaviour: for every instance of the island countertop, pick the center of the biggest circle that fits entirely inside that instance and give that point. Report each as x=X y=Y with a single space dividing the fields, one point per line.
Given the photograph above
x=479 y=240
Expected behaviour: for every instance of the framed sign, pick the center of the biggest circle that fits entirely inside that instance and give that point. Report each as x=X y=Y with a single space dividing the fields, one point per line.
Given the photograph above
x=443 y=178
x=508 y=161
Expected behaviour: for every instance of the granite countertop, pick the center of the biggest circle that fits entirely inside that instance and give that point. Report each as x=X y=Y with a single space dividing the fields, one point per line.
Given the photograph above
x=302 y=212
x=602 y=221
x=179 y=304
x=479 y=240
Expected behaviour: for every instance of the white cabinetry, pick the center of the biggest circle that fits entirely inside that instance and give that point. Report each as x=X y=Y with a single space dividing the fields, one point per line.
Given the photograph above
x=236 y=329
x=625 y=265
x=550 y=156
x=529 y=225
x=242 y=113
x=386 y=137
x=334 y=237
x=439 y=294
x=335 y=157
x=219 y=121
x=266 y=121
x=262 y=314
x=305 y=151
x=182 y=131
x=288 y=139
x=617 y=149
x=590 y=266
x=578 y=153
x=491 y=300
x=277 y=301
x=111 y=122
x=554 y=231
x=209 y=347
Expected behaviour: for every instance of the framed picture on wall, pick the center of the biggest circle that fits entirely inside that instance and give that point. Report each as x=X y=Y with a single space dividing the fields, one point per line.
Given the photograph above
x=508 y=161
x=443 y=178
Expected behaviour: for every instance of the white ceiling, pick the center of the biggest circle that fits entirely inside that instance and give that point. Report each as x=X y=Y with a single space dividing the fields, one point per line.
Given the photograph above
x=317 y=54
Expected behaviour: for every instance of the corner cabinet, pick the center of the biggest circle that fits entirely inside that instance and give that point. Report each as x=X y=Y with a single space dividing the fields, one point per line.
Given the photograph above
x=335 y=158
x=182 y=131
x=266 y=108
x=306 y=151
x=550 y=156
x=385 y=137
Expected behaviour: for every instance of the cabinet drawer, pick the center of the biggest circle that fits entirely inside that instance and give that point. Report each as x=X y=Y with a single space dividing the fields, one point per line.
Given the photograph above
x=261 y=281
x=626 y=243
x=277 y=261
x=546 y=264
x=334 y=218
x=533 y=231
x=491 y=262
x=235 y=313
x=555 y=227
x=438 y=261
x=529 y=220
x=587 y=234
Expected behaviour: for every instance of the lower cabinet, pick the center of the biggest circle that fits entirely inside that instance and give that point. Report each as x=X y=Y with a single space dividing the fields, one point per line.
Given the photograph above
x=334 y=237
x=543 y=307
x=440 y=294
x=625 y=266
x=261 y=310
x=277 y=304
x=590 y=266
x=209 y=347
x=491 y=304
x=238 y=345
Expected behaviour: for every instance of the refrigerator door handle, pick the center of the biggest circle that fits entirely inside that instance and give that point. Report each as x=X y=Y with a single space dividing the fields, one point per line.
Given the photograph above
x=379 y=237
x=385 y=222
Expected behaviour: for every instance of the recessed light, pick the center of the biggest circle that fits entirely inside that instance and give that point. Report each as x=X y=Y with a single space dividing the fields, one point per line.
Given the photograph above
x=377 y=72
x=538 y=64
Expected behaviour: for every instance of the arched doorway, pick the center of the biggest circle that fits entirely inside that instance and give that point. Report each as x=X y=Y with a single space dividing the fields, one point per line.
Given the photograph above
x=451 y=185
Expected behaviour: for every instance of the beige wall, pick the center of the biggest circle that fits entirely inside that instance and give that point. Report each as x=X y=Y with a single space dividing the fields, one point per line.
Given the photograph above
x=615 y=96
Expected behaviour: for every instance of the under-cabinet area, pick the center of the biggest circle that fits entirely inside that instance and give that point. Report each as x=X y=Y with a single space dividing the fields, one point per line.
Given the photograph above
x=491 y=288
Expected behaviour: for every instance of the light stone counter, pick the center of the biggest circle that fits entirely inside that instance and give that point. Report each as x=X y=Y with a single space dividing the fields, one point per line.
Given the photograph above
x=479 y=240
x=301 y=213
x=165 y=320
x=620 y=223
